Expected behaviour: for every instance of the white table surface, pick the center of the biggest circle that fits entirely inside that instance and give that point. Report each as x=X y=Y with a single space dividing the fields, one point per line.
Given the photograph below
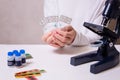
x=56 y=62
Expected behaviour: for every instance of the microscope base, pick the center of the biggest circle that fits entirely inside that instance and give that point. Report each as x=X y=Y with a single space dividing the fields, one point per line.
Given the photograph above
x=104 y=63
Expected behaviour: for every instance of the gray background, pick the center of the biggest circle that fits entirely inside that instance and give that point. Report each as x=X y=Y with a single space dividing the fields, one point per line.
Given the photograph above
x=20 y=21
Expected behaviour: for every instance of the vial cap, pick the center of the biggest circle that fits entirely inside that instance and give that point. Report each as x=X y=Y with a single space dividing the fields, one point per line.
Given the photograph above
x=16 y=53
x=10 y=53
x=22 y=51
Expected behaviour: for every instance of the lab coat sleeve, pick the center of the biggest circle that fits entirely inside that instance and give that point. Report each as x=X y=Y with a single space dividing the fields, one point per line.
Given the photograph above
x=88 y=37
x=82 y=39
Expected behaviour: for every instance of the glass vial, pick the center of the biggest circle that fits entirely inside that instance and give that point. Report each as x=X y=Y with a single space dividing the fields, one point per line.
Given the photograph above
x=18 y=59
x=11 y=59
x=22 y=51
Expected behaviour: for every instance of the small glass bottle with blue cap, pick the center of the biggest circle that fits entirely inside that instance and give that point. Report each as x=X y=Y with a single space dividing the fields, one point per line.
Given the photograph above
x=22 y=51
x=18 y=59
x=11 y=59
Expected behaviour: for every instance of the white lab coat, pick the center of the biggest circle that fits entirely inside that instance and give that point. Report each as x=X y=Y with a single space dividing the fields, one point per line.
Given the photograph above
x=76 y=12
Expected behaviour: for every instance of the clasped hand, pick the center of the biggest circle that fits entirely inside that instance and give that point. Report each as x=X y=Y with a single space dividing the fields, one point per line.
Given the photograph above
x=60 y=37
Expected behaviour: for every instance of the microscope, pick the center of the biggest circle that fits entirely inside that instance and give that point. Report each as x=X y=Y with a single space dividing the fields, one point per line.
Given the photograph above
x=106 y=56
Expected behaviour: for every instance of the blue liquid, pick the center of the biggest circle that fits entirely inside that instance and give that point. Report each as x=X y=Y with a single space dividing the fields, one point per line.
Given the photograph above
x=18 y=63
x=23 y=60
x=11 y=63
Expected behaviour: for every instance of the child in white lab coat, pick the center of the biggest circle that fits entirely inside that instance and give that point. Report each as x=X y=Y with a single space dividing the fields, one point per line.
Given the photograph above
x=63 y=22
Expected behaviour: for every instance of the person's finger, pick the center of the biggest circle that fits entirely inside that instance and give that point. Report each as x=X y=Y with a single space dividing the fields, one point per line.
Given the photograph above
x=61 y=38
x=59 y=42
x=55 y=45
x=45 y=36
x=63 y=33
x=67 y=28
x=66 y=34
x=50 y=39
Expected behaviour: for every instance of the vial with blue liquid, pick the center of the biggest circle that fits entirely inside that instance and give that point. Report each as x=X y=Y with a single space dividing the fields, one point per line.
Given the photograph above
x=18 y=58
x=22 y=51
x=11 y=59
